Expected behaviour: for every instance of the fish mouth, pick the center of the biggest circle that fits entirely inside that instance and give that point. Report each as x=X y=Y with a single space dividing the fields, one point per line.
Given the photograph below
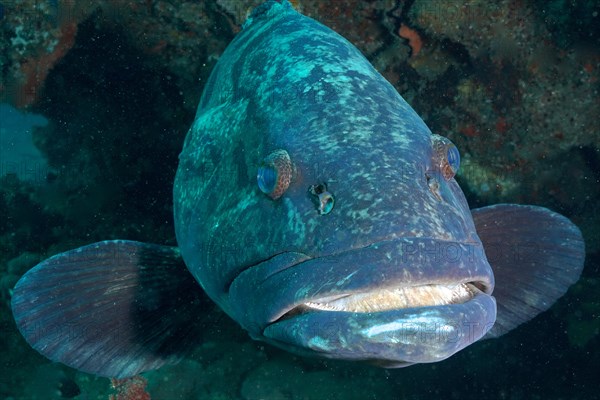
x=391 y=338
x=386 y=299
x=393 y=303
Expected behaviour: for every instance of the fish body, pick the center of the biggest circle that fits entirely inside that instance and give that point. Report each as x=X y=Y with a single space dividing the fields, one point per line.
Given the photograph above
x=288 y=82
x=316 y=208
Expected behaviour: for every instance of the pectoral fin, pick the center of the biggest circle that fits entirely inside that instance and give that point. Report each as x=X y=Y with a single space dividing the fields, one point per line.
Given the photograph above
x=113 y=308
x=536 y=254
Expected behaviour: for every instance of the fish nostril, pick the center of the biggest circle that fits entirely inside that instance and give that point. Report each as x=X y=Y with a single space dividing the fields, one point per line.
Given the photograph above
x=434 y=186
x=324 y=200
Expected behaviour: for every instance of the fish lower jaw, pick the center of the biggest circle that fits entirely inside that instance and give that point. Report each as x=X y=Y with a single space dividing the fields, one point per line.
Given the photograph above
x=396 y=298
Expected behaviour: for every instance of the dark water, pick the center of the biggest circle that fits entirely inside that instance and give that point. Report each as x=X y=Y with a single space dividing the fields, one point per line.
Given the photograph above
x=515 y=85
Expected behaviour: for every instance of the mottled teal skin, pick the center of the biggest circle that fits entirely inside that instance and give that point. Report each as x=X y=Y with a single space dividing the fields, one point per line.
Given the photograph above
x=288 y=82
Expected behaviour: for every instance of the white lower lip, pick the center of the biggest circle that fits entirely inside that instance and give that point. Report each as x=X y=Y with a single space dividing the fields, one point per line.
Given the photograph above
x=396 y=298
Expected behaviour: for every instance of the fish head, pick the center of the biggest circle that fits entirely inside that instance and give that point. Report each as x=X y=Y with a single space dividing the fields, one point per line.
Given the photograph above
x=377 y=259
x=316 y=208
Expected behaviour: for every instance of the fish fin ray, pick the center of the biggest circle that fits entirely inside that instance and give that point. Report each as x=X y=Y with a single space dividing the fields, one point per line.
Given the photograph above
x=113 y=308
x=536 y=254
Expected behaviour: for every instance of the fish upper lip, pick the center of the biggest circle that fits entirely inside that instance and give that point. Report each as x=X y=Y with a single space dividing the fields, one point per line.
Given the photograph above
x=267 y=292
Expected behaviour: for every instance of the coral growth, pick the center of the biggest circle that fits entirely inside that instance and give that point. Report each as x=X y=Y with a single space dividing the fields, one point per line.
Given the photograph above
x=130 y=389
x=36 y=35
x=414 y=39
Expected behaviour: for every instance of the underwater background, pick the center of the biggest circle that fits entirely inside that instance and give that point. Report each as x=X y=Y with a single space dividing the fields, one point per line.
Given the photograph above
x=96 y=99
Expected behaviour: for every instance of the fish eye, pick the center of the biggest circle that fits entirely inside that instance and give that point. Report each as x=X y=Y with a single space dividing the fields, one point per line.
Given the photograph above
x=324 y=200
x=446 y=156
x=275 y=174
x=453 y=158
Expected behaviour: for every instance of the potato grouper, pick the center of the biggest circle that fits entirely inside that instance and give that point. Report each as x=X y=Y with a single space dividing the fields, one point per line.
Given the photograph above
x=316 y=208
